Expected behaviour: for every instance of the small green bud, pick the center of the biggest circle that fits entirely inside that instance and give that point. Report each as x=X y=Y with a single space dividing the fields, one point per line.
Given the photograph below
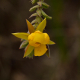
x=34 y=14
x=45 y=5
x=35 y=25
x=38 y=19
x=33 y=1
x=45 y=15
x=38 y=12
x=34 y=21
x=33 y=8
x=39 y=3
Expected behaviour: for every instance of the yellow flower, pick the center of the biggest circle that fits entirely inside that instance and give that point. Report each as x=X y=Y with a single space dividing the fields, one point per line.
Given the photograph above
x=37 y=39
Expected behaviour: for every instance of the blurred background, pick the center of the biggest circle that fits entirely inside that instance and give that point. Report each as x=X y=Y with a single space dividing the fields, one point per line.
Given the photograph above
x=64 y=30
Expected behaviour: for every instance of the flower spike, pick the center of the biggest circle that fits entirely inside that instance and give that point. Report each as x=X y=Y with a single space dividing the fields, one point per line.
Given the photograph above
x=35 y=42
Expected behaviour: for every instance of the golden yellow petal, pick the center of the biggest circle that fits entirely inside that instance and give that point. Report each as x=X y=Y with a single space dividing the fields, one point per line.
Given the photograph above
x=47 y=38
x=30 y=26
x=41 y=50
x=35 y=44
x=21 y=35
x=31 y=42
x=39 y=37
x=36 y=37
x=31 y=36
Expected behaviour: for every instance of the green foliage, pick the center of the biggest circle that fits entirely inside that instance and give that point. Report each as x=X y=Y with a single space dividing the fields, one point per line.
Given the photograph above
x=45 y=15
x=34 y=14
x=34 y=8
x=33 y=1
x=39 y=11
x=45 y=5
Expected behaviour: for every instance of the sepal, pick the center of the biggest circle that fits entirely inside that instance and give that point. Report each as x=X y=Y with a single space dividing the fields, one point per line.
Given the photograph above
x=31 y=55
x=51 y=42
x=28 y=50
x=42 y=25
x=23 y=44
x=21 y=35
x=30 y=26
x=48 y=51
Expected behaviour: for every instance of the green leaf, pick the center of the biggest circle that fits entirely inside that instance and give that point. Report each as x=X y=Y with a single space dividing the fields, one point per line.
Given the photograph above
x=34 y=14
x=51 y=42
x=45 y=5
x=39 y=3
x=48 y=51
x=28 y=50
x=42 y=25
x=38 y=12
x=45 y=15
x=30 y=27
x=35 y=25
x=23 y=44
x=21 y=35
x=39 y=19
x=34 y=7
x=34 y=21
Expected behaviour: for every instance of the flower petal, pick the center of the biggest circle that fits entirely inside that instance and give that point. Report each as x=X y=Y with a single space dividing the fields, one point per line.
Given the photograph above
x=39 y=37
x=30 y=27
x=42 y=25
x=51 y=42
x=28 y=50
x=36 y=37
x=21 y=35
x=41 y=50
x=35 y=44
x=47 y=38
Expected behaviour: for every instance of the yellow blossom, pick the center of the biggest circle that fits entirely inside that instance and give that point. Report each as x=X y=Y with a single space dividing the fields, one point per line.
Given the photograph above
x=39 y=40
x=36 y=38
